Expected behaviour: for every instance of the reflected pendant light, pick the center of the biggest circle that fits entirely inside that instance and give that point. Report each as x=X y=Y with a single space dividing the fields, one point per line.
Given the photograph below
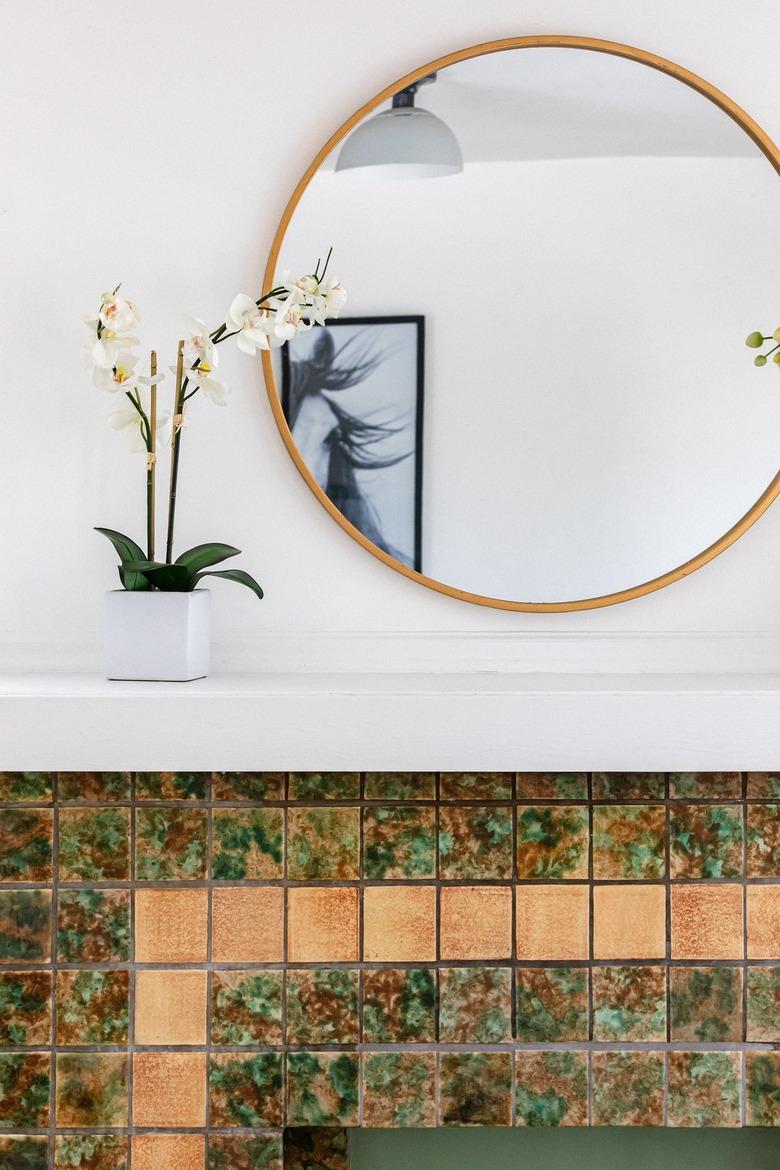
x=405 y=141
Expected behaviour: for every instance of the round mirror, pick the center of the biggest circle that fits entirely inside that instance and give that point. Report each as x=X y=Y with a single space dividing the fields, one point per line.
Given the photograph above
x=540 y=397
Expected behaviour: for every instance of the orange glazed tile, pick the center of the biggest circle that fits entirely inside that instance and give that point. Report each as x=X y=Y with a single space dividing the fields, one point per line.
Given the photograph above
x=247 y=924
x=169 y=1089
x=552 y=922
x=399 y=923
x=171 y=926
x=322 y=924
x=629 y=922
x=170 y=1007
x=707 y=922
x=763 y=922
x=476 y=922
x=168 y=1151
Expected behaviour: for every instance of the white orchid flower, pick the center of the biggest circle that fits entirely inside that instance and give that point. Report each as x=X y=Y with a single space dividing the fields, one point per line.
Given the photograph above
x=202 y=376
x=256 y=328
x=117 y=315
x=334 y=297
x=121 y=376
x=129 y=419
x=291 y=318
x=198 y=346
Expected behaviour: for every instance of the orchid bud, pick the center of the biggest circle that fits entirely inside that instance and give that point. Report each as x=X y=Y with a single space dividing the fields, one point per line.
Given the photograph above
x=754 y=340
x=760 y=360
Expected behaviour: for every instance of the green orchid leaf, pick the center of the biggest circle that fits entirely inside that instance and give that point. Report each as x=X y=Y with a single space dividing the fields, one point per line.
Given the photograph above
x=203 y=555
x=132 y=580
x=165 y=577
x=127 y=549
x=234 y=575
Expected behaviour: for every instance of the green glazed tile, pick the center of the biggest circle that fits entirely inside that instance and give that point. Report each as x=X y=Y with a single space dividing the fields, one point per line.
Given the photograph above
x=18 y=787
x=399 y=841
x=246 y=1007
x=322 y=1088
x=705 y=841
x=704 y=1089
x=475 y=843
x=400 y=785
x=629 y=841
x=92 y=1007
x=398 y=1089
x=247 y=843
x=763 y=1004
x=316 y=1148
x=25 y=926
x=324 y=786
x=91 y=1090
x=705 y=785
x=246 y=1151
x=247 y=785
x=245 y=1090
x=628 y=1088
x=25 y=1086
x=552 y=785
x=552 y=1004
x=705 y=1004
x=323 y=843
x=25 y=845
x=399 y=1005
x=628 y=786
x=170 y=844
x=763 y=1088
x=23 y=1152
x=172 y=785
x=763 y=786
x=93 y=786
x=322 y=1006
x=93 y=926
x=629 y=1003
x=763 y=840
x=552 y=842
x=552 y=1088
x=25 y=1008
x=94 y=844
x=475 y=1088
x=93 y=1151
x=475 y=785
x=475 y=1005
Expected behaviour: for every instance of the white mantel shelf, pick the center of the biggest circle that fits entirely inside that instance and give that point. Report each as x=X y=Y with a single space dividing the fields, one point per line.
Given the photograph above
x=398 y=721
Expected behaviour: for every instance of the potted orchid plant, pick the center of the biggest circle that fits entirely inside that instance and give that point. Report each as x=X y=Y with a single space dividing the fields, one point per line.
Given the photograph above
x=158 y=622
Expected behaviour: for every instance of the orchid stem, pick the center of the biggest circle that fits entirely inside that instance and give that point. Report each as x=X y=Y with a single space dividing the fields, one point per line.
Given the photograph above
x=175 y=445
x=151 y=460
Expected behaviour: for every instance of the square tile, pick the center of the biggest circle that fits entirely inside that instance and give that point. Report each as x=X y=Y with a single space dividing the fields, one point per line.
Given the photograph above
x=762 y=1090
x=475 y=785
x=170 y=843
x=399 y=924
x=91 y=1090
x=763 y=1004
x=18 y=787
x=476 y=922
x=552 y=922
x=247 y=844
x=316 y=1148
x=322 y=1006
x=704 y=1089
x=105 y=1151
x=25 y=1008
x=25 y=926
x=707 y=922
x=628 y=1088
x=93 y=926
x=245 y=1151
x=172 y=785
x=552 y=785
x=93 y=786
x=169 y=1090
x=247 y=785
x=705 y=1004
x=92 y=1007
x=399 y=1005
x=763 y=786
x=551 y=1004
x=322 y=1088
x=94 y=844
x=628 y=786
x=168 y=1151
x=763 y=922
x=629 y=841
x=246 y=1090
x=25 y=845
x=763 y=840
x=400 y=785
x=475 y=1088
x=551 y=1089
x=170 y=1008
x=24 y=1152
x=629 y=1003
x=552 y=842
x=25 y=1086
x=246 y=1007
x=399 y=1089
x=705 y=785
x=324 y=786
x=171 y=926
x=247 y=924
x=399 y=841
x=323 y=844
x=475 y=1005
x=705 y=841
x=629 y=922
x=475 y=843
x=322 y=924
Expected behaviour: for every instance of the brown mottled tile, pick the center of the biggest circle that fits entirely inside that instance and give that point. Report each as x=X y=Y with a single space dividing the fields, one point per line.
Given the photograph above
x=310 y=1147
x=628 y=786
x=171 y=843
x=399 y=1005
x=25 y=1008
x=763 y=785
x=552 y=921
x=24 y=1152
x=705 y=1004
x=552 y=785
x=24 y=1090
x=246 y=1089
x=704 y=1089
x=763 y=841
x=170 y=1008
x=707 y=922
x=629 y=842
x=252 y=786
x=247 y=844
x=168 y=1151
x=705 y=841
x=399 y=1089
x=24 y=787
x=323 y=844
x=629 y=922
x=322 y=1006
x=551 y=1004
x=629 y=1003
x=399 y=923
x=475 y=1005
x=400 y=785
x=762 y=1088
x=399 y=841
x=75 y=787
x=476 y=922
x=94 y=844
x=246 y=1007
x=322 y=924
x=169 y=1090
x=171 y=926
x=247 y=924
x=475 y=842
x=93 y=926
x=90 y=1151
x=763 y=922
x=552 y=842
x=322 y=1088
x=25 y=844
x=552 y=1088
x=475 y=1088
x=91 y=1090
x=92 y=1007
x=475 y=785
x=172 y=785
x=628 y=1088
x=25 y=926
x=705 y=785
x=324 y=786
x=763 y=1004
x=255 y=1151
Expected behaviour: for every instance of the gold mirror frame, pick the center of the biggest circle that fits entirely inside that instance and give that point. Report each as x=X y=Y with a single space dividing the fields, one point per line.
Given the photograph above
x=754 y=131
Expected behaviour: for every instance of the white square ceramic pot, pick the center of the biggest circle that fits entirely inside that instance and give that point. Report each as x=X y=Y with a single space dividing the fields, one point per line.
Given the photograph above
x=162 y=637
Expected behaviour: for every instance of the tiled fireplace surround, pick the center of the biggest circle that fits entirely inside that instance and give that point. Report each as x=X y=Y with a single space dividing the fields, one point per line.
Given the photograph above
x=191 y=962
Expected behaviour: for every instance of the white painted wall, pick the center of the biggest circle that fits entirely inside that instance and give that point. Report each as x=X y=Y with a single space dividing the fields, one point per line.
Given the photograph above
x=157 y=144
